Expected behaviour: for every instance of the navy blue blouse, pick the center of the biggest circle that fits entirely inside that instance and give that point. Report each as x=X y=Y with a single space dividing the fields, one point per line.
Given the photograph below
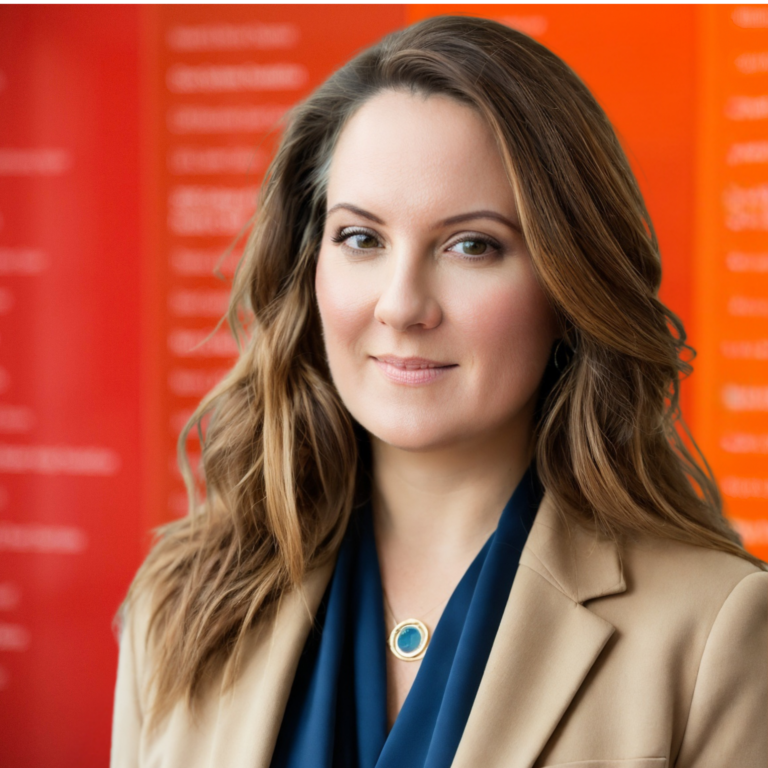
x=336 y=716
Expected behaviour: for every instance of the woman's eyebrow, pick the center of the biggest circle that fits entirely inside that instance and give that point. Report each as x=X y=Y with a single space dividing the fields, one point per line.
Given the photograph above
x=480 y=215
x=354 y=209
x=460 y=218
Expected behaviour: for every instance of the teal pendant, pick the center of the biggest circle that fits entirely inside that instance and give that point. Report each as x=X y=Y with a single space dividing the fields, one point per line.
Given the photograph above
x=409 y=640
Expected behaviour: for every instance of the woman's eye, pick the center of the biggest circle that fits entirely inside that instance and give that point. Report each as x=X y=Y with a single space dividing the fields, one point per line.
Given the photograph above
x=474 y=247
x=362 y=241
x=359 y=240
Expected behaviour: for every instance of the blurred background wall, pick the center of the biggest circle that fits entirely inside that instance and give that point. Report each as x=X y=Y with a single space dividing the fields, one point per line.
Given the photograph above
x=132 y=143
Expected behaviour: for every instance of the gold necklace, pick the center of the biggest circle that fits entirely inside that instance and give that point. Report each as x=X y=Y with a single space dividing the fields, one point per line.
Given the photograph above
x=409 y=639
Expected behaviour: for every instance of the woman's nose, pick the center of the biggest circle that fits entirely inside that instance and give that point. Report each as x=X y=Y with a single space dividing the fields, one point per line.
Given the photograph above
x=407 y=297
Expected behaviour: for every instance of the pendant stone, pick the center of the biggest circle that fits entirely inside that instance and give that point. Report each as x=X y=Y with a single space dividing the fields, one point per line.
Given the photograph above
x=409 y=640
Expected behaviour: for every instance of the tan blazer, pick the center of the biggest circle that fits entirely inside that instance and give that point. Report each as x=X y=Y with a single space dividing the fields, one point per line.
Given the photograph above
x=649 y=656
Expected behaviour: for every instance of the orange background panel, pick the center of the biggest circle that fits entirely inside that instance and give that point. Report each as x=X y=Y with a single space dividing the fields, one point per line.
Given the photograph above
x=732 y=239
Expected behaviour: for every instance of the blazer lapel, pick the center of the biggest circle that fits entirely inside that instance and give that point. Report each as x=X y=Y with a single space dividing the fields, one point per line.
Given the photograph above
x=546 y=643
x=251 y=711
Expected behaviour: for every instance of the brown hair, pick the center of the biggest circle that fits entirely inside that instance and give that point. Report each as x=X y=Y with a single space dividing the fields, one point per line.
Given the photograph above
x=280 y=457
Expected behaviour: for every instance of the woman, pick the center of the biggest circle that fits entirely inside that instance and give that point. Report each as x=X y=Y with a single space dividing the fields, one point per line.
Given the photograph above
x=446 y=516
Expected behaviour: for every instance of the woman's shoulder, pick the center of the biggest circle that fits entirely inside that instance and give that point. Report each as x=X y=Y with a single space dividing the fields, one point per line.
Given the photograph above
x=651 y=571
x=133 y=624
x=685 y=590
x=678 y=570
x=139 y=615
x=131 y=687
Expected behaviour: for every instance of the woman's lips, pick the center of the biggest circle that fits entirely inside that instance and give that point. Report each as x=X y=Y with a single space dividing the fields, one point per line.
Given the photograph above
x=412 y=370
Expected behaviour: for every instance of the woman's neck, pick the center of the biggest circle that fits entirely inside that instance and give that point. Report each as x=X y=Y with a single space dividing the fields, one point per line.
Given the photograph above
x=440 y=506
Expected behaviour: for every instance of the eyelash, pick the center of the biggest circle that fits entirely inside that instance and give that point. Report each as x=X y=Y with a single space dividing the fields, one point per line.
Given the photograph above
x=345 y=233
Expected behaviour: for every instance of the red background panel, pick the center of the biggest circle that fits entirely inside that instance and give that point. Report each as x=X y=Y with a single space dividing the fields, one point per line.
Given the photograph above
x=70 y=347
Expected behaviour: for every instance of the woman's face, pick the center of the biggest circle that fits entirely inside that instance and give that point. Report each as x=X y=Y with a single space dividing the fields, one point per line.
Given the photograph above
x=436 y=330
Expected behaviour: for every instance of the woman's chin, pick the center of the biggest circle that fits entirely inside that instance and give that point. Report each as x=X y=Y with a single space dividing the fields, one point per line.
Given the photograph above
x=417 y=437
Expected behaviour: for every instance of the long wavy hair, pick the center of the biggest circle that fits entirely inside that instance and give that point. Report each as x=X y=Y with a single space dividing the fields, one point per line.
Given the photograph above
x=281 y=459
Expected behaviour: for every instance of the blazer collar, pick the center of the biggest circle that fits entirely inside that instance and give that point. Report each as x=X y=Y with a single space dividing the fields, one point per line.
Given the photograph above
x=580 y=563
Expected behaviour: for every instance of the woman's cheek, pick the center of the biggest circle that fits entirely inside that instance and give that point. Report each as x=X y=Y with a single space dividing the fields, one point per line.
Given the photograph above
x=511 y=330
x=344 y=311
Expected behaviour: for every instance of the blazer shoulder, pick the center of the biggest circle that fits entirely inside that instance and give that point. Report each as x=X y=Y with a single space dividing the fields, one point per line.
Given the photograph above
x=134 y=621
x=670 y=561
x=683 y=581
x=130 y=697
x=729 y=705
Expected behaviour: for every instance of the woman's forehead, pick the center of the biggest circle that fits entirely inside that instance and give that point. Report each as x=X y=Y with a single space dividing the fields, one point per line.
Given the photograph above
x=410 y=151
